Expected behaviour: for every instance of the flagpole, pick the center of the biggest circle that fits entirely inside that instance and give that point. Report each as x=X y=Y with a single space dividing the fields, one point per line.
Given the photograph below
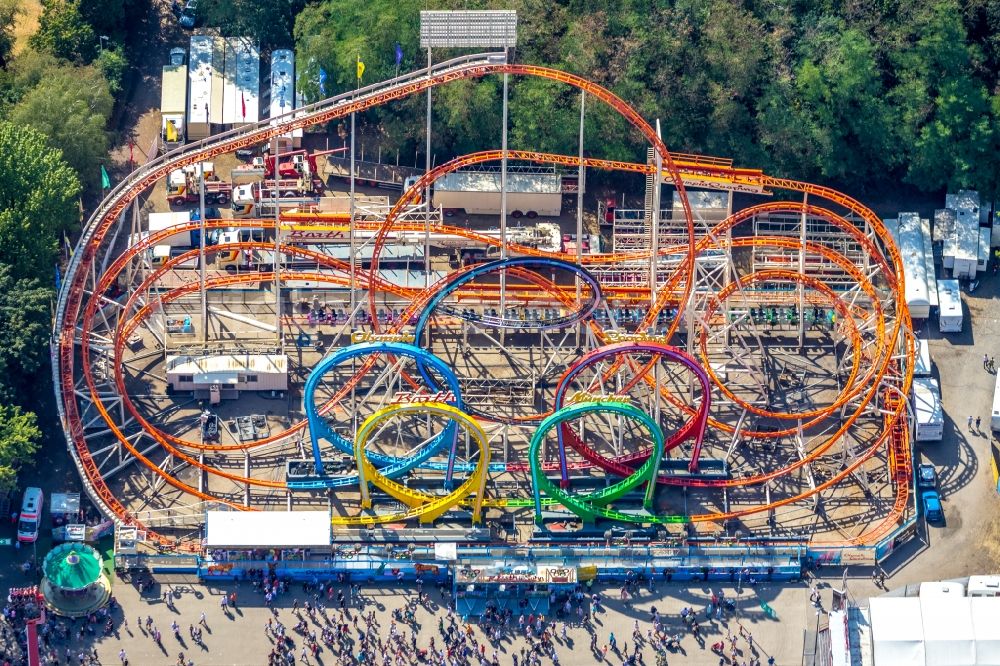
x=357 y=84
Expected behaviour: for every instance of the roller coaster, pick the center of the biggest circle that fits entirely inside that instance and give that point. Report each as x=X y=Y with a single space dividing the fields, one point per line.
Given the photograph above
x=750 y=370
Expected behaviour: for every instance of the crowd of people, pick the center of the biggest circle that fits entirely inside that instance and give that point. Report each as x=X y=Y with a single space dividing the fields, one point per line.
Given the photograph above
x=335 y=623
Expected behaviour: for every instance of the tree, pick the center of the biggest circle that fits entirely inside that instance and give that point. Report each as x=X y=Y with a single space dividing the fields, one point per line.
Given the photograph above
x=63 y=31
x=113 y=65
x=9 y=12
x=268 y=24
x=24 y=331
x=38 y=201
x=19 y=440
x=71 y=106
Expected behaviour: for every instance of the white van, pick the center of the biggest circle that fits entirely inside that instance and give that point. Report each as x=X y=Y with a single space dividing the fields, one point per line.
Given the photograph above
x=984 y=586
x=949 y=306
x=31 y=515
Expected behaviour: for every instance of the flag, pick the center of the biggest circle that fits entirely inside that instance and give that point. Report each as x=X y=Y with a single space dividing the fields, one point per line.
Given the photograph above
x=399 y=54
x=105 y=179
x=361 y=68
x=322 y=81
x=171 y=131
x=243 y=101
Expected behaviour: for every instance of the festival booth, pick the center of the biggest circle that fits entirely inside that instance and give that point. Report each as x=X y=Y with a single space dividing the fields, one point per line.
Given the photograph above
x=237 y=541
x=523 y=589
x=74 y=583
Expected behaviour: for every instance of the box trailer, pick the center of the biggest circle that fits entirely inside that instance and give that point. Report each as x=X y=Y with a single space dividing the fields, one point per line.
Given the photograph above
x=966 y=246
x=173 y=99
x=205 y=86
x=949 y=306
x=984 y=249
x=929 y=415
x=161 y=221
x=478 y=193
x=911 y=248
x=922 y=359
x=995 y=414
x=241 y=102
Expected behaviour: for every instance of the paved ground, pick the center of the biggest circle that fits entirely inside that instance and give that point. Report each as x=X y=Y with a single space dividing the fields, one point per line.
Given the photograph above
x=239 y=638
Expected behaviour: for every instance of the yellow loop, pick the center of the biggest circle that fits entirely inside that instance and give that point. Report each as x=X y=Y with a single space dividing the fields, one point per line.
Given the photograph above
x=423 y=506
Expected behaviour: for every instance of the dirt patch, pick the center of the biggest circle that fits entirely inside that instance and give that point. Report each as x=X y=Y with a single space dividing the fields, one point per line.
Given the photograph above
x=27 y=23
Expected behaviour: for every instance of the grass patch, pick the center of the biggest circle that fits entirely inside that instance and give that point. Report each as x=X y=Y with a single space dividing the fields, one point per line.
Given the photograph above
x=27 y=23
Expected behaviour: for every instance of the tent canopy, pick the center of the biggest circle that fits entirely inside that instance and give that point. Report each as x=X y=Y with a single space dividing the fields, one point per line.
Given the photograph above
x=65 y=502
x=897 y=631
x=72 y=566
x=268 y=529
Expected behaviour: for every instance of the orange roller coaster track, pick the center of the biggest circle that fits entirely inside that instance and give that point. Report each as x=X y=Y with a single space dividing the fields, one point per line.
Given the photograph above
x=83 y=289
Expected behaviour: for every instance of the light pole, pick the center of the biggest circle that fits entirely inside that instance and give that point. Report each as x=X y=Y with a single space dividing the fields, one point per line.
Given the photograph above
x=103 y=39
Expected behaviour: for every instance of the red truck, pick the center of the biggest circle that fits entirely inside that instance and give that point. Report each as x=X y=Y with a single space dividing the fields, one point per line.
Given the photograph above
x=183 y=187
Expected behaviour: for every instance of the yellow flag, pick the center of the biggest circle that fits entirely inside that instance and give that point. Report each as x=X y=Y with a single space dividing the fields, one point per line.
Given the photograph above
x=361 y=68
x=171 y=131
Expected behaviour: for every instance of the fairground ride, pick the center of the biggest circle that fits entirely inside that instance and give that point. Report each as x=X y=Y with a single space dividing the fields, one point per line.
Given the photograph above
x=715 y=372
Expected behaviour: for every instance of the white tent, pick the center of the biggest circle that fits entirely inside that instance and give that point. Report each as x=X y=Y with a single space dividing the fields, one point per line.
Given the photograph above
x=985 y=613
x=949 y=637
x=897 y=631
x=267 y=529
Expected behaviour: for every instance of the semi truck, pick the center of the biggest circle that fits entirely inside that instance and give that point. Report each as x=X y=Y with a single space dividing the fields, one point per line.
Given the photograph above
x=173 y=98
x=297 y=165
x=478 y=193
x=183 y=186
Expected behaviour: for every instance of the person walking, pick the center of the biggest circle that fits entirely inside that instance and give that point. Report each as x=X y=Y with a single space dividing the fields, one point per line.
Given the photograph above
x=969 y=422
x=986 y=362
x=122 y=656
x=979 y=419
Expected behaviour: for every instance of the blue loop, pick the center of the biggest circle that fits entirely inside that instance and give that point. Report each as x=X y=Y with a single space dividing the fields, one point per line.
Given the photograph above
x=391 y=466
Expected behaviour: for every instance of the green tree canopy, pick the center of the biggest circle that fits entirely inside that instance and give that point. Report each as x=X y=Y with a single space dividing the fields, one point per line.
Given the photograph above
x=19 y=439
x=268 y=24
x=71 y=107
x=9 y=11
x=38 y=201
x=24 y=331
x=63 y=31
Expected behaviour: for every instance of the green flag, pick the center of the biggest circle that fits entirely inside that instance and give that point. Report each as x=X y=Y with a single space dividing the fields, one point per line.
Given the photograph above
x=105 y=180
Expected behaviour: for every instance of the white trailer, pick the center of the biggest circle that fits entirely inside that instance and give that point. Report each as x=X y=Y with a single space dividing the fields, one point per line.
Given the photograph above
x=173 y=99
x=911 y=248
x=949 y=306
x=478 y=193
x=966 y=246
x=204 y=110
x=922 y=359
x=929 y=415
x=281 y=86
x=995 y=414
x=161 y=221
x=984 y=249
x=925 y=228
x=241 y=101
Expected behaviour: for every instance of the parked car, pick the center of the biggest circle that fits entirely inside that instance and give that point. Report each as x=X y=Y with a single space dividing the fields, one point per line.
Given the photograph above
x=926 y=476
x=932 y=506
x=189 y=15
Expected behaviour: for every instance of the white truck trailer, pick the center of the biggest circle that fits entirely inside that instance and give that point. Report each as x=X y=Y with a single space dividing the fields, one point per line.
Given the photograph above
x=929 y=413
x=478 y=193
x=173 y=99
x=949 y=306
x=915 y=279
x=922 y=359
x=965 y=246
